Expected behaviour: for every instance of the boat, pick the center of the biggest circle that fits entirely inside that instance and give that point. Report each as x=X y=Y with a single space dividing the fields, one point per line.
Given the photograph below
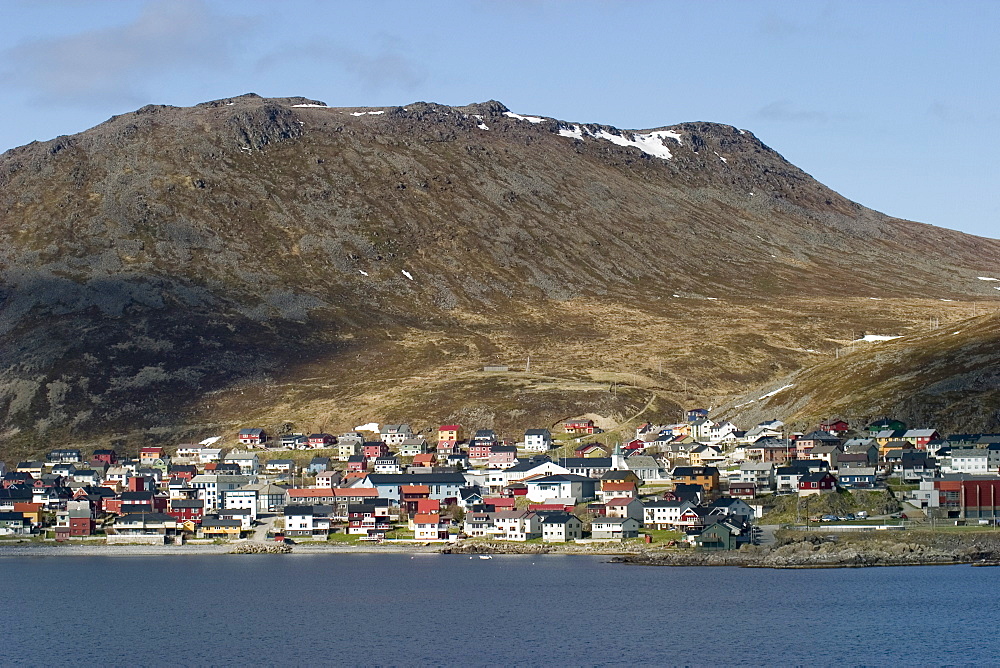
x=485 y=556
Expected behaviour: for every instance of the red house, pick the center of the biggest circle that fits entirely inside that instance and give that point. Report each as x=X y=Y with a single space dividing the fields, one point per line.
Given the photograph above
x=424 y=460
x=742 y=490
x=357 y=464
x=579 y=426
x=554 y=507
x=635 y=447
x=109 y=457
x=254 y=436
x=82 y=526
x=410 y=495
x=187 y=509
x=321 y=440
x=480 y=450
x=817 y=482
x=500 y=502
x=374 y=449
x=183 y=471
x=502 y=456
x=834 y=426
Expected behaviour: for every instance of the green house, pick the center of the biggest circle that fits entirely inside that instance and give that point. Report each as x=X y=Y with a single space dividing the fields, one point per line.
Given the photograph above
x=716 y=537
x=885 y=424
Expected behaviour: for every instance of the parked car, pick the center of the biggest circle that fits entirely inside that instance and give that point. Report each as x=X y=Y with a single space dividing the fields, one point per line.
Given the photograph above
x=829 y=518
x=861 y=515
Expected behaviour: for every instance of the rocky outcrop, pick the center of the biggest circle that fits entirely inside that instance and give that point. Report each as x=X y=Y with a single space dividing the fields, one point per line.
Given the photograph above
x=498 y=547
x=919 y=550
x=260 y=548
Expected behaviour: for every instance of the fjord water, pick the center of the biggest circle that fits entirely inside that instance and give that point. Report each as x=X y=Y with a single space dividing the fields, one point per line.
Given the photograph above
x=511 y=610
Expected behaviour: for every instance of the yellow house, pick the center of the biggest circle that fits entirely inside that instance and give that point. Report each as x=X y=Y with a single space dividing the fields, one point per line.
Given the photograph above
x=886 y=446
x=706 y=476
x=450 y=432
x=221 y=528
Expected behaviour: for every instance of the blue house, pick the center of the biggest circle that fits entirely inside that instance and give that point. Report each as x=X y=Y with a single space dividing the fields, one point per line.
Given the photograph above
x=318 y=465
x=857 y=478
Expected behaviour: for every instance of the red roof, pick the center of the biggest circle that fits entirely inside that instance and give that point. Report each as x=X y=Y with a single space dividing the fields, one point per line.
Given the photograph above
x=305 y=492
x=428 y=505
x=369 y=492
x=624 y=501
x=427 y=518
x=548 y=506
x=415 y=489
x=449 y=427
x=427 y=458
x=611 y=486
x=499 y=502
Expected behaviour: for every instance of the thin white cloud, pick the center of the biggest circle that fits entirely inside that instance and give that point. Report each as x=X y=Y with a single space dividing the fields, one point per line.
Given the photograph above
x=785 y=110
x=385 y=65
x=114 y=65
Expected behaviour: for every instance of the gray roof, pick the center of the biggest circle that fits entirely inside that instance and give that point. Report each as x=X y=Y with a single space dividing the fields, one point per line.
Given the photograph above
x=641 y=462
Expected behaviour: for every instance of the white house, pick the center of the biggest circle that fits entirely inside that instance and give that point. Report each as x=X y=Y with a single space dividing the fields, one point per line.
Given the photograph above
x=701 y=429
x=614 y=528
x=242 y=499
x=561 y=527
x=577 y=487
x=248 y=462
x=664 y=514
x=722 y=432
x=395 y=434
x=428 y=526
x=625 y=507
x=968 y=460
x=412 y=447
x=517 y=525
x=760 y=474
x=212 y=488
x=304 y=521
x=537 y=440
x=527 y=469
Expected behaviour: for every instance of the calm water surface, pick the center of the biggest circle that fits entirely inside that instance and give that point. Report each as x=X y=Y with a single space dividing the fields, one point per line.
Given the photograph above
x=511 y=610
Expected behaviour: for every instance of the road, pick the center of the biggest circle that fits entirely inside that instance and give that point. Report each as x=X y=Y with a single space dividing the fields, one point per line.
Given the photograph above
x=265 y=522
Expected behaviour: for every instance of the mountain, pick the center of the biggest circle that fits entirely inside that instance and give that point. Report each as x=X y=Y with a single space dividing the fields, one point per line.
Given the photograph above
x=181 y=271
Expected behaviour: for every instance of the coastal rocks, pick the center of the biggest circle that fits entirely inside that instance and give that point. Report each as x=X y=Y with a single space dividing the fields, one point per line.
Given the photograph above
x=497 y=548
x=260 y=548
x=812 y=553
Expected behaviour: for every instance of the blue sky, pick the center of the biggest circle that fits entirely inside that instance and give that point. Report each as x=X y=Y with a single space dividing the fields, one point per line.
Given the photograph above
x=892 y=103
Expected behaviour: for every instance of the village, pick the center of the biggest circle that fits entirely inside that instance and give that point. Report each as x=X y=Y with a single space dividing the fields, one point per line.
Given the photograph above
x=699 y=484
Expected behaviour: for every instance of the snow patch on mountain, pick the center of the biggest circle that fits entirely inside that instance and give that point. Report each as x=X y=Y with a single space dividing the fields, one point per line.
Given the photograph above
x=650 y=143
x=530 y=119
x=774 y=392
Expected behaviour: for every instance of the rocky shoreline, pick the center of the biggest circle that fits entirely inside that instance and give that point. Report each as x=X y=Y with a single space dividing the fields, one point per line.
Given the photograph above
x=913 y=549
x=793 y=551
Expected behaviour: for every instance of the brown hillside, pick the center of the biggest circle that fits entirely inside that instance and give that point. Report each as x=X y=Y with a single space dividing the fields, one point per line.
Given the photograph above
x=177 y=271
